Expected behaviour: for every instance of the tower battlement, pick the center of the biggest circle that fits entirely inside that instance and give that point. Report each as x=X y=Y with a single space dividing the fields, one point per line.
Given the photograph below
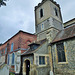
x=48 y=19
x=43 y=1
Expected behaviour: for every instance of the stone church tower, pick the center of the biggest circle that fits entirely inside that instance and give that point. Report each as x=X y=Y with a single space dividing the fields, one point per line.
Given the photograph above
x=48 y=20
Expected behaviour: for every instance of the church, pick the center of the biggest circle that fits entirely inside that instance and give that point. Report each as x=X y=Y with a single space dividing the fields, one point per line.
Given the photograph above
x=53 y=53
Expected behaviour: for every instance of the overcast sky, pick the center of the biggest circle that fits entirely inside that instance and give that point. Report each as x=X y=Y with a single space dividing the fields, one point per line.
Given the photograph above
x=19 y=15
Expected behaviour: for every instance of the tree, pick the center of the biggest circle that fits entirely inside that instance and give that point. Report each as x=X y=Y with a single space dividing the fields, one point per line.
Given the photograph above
x=2 y=2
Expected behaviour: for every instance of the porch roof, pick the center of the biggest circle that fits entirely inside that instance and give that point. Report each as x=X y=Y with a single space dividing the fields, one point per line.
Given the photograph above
x=29 y=51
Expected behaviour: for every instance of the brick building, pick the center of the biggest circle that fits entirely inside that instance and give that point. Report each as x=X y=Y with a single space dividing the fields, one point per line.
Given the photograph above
x=11 y=50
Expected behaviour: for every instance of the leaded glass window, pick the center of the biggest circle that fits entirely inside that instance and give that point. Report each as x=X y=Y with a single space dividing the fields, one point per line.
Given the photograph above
x=60 y=52
x=41 y=60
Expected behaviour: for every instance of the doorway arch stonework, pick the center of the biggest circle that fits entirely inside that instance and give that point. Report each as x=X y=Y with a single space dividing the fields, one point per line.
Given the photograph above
x=26 y=67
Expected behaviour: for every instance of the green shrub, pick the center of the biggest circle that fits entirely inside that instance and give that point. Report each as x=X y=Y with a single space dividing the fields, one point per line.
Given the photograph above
x=11 y=74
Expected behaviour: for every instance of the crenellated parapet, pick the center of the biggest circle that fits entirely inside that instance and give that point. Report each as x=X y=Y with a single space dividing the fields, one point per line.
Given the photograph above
x=43 y=1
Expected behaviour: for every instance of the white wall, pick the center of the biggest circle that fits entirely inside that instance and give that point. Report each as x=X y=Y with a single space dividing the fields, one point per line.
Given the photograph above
x=4 y=70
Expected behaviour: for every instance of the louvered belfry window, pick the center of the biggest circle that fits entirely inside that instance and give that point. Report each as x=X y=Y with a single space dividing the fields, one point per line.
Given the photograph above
x=41 y=13
x=56 y=12
x=61 y=52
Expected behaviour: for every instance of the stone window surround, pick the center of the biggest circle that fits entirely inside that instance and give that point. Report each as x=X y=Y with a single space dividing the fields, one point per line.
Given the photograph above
x=65 y=55
x=56 y=12
x=39 y=13
x=42 y=26
x=35 y=55
x=41 y=60
x=24 y=66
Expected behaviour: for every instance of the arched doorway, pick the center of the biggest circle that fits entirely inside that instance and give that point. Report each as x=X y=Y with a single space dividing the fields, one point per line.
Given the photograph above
x=27 y=66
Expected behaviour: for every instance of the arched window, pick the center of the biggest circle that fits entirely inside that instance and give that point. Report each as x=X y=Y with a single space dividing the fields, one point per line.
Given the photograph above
x=12 y=46
x=41 y=13
x=13 y=56
x=56 y=11
x=6 y=50
x=61 y=52
x=8 y=59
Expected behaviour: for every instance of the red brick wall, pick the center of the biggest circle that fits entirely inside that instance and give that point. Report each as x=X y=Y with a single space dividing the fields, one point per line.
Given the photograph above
x=20 y=40
x=26 y=39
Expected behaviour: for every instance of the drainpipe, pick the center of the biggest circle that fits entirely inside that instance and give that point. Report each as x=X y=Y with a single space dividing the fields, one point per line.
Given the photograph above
x=51 y=59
